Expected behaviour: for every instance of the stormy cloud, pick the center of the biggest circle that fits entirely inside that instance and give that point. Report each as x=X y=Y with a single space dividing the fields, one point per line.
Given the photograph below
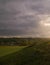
x=24 y=18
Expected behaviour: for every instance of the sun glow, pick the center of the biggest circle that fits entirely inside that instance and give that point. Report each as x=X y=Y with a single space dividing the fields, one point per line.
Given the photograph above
x=46 y=22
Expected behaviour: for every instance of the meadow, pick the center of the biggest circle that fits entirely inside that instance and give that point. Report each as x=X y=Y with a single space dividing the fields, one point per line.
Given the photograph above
x=33 y=52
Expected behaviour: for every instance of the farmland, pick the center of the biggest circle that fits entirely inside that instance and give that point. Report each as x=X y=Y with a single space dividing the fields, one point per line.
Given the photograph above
x=30 y=52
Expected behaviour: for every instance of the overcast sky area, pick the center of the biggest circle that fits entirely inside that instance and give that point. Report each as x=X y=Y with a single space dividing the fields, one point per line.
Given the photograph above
x=25 y=18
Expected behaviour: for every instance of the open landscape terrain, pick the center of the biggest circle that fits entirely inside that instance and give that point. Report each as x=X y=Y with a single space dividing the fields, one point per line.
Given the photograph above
x=24 y=32
x=24 y=51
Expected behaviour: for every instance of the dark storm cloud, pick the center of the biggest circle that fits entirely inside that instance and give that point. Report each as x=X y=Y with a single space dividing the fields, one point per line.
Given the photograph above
x=21 y=17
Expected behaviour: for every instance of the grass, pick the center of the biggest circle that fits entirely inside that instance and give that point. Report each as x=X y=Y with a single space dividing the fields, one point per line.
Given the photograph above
x=38 y=54
x=5 y=50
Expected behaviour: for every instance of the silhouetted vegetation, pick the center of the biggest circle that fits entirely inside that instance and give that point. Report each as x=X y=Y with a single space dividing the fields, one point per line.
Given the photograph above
x=21 y=41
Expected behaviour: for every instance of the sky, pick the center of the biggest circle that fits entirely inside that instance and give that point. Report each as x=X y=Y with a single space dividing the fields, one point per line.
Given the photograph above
x=25 y=18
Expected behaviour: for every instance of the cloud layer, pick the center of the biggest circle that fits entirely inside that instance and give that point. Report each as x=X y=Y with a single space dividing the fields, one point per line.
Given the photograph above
x=24 y=18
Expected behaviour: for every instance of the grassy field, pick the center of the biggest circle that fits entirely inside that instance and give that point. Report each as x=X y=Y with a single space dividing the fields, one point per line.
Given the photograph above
x=5 y=50
x=37 y=54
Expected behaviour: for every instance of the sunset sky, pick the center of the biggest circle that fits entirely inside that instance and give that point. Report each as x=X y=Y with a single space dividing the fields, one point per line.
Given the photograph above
x=25 y=18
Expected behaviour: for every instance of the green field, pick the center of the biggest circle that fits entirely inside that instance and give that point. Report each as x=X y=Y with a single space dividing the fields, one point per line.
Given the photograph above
x=5 y=50
x=38 y=54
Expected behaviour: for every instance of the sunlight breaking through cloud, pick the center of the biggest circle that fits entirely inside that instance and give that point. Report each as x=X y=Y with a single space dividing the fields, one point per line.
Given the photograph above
x=30 y=18
x=46 y=20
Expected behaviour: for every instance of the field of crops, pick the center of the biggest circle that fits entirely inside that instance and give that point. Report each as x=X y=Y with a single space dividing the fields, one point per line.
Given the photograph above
x=37 y=54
